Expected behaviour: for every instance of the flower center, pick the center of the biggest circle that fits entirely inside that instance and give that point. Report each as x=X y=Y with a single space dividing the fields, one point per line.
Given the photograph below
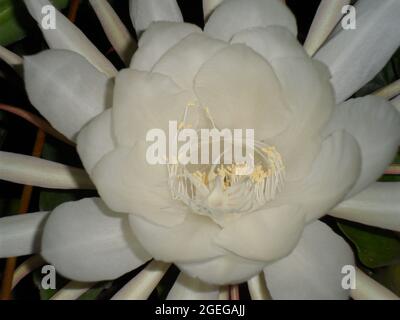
x=224 y=189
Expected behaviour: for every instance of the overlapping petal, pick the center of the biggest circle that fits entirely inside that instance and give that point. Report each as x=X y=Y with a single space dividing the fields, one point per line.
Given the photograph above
x=183 y=61
x=96 y=140
x=145 y=12
x=187 y=242
x=314 y=270
x=334 y=173
x=241 y=91
x=129 y=184
x=66 y=89
x=157 y=40
x=265 y=235
x=375 y=124
x=145 y=101
x=234 y=16
x=86 y=241
x=228 y=269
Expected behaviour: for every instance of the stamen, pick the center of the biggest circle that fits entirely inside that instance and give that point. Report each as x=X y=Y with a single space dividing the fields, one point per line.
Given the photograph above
x=226 y=191
x=220 y=190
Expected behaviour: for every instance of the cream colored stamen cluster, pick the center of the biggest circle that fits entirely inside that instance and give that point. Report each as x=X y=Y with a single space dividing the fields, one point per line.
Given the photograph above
x=222 y=191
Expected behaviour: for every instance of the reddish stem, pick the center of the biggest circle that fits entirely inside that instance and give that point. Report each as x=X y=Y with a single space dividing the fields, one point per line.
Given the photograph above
x=393 y=170
x=36 y=121
x=234 y=293
x=11 y=263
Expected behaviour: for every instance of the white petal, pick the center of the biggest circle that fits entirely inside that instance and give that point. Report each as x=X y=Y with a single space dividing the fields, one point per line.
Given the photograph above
x=67 y=36
x=241 y=91
x=145 y=101
x=157 y=40
x=282 y=50
x=356 y=56
x=272 y=42
x=378 y=205
x=66 y=89
x=183 y=61
x=313 y=271
x=129 y=184
x=209 y=6
x=234 y=16
x=37 y=172
x=333 y=174
x=85 y=241
x=376 y=126
x=190 y=241
x=328 y=15
x=10 y=57
x=96 y=140
x=115 y=30
x=187 y=288
x=265 y=235
x=21 y=234
x=310 y=98
x=396 y=103
x=144 y=12
x=224 y=270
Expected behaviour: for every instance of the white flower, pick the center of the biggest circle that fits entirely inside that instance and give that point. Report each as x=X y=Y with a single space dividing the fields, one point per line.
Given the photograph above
x=246 y=70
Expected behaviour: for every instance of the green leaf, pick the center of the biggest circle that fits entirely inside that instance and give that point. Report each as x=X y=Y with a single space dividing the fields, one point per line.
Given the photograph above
x=9 y=206
x=390 y=278
x=13 y=18
x=375 y=247
x=95 y=292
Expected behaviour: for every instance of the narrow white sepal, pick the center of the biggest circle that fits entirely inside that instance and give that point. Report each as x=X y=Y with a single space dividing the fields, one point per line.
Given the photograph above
x=390 y=91
x=141 y=287
x=115 y=30
x=369 y=289
x=10 y=57
x=188 y=288
x=378 y=206
x=72 y=290
x=63 y=34
x=37 y=172
x=354 y=57
x=396 y=103
x=145 y=12
x=258 y=288
x=223 y=293
x=20 y=235
x=66 y=89
x=326 y=18
x=209 y=6
x=25 y=268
